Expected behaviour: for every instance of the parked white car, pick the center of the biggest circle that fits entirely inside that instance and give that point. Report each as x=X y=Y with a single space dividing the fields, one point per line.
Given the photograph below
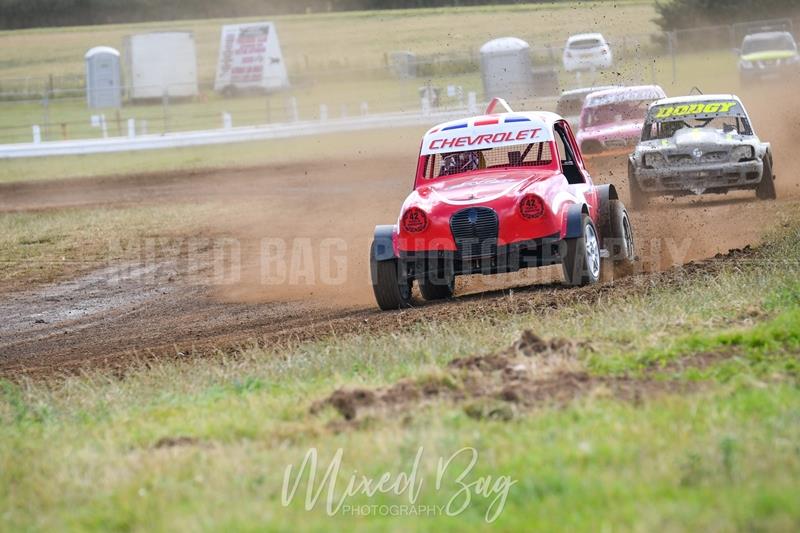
x=587 y=51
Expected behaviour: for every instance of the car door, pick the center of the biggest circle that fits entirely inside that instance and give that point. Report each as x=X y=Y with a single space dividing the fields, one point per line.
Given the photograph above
x=579 y=182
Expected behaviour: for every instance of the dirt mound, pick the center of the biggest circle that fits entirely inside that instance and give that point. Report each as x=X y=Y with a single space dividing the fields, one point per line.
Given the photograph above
x=531 y=372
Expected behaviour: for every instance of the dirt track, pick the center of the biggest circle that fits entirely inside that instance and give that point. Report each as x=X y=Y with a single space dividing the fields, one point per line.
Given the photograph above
x=103 y=317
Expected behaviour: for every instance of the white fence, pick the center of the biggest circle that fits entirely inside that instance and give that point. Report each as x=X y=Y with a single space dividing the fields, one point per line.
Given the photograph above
x=231 y=134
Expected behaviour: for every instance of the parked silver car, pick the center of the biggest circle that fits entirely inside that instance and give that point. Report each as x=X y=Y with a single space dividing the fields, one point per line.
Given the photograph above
x=699 y=145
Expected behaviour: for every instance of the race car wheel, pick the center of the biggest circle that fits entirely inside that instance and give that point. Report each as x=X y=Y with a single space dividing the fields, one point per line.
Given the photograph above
x=766 y=189
x=437 y=285
x=391 y=287
x=637 y=197
x=618 y=242
x=581 y=260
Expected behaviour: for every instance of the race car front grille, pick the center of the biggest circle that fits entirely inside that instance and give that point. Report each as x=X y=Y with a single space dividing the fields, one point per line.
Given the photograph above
x=475 y=232
x=718 y=156
x=715 y=157
x=681 y=159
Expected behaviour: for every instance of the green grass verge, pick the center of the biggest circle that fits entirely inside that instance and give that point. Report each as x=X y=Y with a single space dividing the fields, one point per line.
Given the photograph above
x=203 y=444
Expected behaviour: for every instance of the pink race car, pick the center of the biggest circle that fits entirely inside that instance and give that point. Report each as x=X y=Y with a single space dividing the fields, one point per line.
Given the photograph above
x=611 y=120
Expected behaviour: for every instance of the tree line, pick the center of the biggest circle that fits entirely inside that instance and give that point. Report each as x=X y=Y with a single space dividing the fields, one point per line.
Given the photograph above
x=36 y=13
x=683 y=14
x=672 y=14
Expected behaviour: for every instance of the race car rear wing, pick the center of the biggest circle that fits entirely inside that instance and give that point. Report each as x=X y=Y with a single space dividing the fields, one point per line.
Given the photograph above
x=498 y=102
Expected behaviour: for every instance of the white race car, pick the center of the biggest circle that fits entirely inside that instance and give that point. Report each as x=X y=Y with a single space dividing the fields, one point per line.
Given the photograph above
x=587 y=51
x=699 y=144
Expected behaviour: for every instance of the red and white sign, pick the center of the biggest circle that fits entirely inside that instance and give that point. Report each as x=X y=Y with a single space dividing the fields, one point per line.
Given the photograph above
x=250 y=57
x=485 y=137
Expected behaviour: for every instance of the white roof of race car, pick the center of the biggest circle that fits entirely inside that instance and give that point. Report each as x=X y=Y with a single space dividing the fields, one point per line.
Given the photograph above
x=583 y=91
x=695 y=98
x=767 y=35
x=581 y=36
x=492 y=130
x=623 y=94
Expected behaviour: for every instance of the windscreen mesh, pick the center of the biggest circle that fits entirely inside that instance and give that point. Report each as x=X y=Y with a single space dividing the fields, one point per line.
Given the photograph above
x=522 y=155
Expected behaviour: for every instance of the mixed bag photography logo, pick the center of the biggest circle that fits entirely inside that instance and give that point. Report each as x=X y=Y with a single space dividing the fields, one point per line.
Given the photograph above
x=454 y=485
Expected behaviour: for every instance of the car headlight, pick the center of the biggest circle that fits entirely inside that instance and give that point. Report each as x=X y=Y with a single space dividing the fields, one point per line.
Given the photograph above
x=746 y=64
x=741 y=153
x=654 y=160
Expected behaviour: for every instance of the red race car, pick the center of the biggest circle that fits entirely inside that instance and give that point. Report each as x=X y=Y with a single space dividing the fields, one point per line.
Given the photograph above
x=498 y=193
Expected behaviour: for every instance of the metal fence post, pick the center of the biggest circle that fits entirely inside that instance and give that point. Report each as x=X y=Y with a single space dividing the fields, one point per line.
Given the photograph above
x=46 y=114
x=164 y=108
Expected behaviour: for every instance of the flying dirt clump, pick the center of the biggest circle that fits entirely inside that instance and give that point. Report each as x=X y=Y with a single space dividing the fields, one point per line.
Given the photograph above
x=531 y=372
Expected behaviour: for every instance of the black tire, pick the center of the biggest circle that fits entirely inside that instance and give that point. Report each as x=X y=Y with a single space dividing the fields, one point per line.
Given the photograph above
x=618 y=241
x=766 y=189
x=581 y=259
x=437 y=285
x=638 y=200
x=392 y=289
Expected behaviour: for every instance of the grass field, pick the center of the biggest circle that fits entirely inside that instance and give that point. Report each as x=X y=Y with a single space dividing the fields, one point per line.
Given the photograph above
x=340 y=68
x=69 y=118
x=328 y=41
x=204 y=443
x=330 y=63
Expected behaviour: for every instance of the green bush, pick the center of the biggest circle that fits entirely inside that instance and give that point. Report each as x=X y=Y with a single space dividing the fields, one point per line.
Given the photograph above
x=682 y=14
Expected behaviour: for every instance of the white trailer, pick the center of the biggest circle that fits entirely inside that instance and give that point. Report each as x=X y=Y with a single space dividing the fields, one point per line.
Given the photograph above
x=250 y=57
x=161 y=63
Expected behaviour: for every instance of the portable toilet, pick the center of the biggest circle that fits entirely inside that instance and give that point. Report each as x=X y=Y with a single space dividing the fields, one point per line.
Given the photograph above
x=103 y=78
x=506 y=68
